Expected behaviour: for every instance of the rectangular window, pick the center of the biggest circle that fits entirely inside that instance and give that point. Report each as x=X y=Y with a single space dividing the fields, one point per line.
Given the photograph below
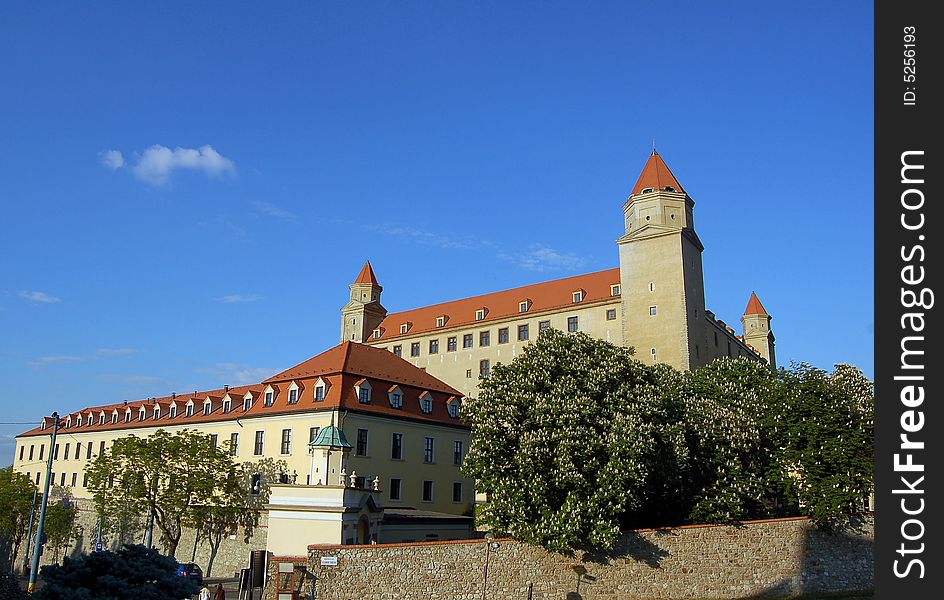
x=75 y=477
x=312 y=434
x=523 y=306
x=457 y=491
x=361 y=448
x=206 y=408
x=257 y=450
x=31 y=451
x=396 y=400
x=415 y=349
x=214 y=439
x=363 y=394
x=457 y=452
x=269 y=398
x=451 y=344
x=62 y=479
x=480 y=314
x=247 y=403
x=395 y=488
x=85 y=480
x=65 y=453
x=189 y=412
x=78 y=450
x=523 y=332
x=468 y=373
x=227 y=405
x=286 y=441
x=22 y=448
x=484 y=338
x=37 y=478
x=716 y=339
x=101 y=448
x=578 y=296
x=440 y=321
x=427 y=491
x=483 y=368
x=55 y=452
x=396 y=447
x=503 y=335
x=42 y=447
x=428 y=447
x=467 y=340
x=398 y=350
x=652 y=351
x=293 y=396
x=434 y=346
x=572 y=324
x=614 y=290
x=233 y=444
x=319 y=393
x=404 y=327
x=611 y=314
x=653 y=311
x=173 y=413
x=543 y=326
x=88 y=452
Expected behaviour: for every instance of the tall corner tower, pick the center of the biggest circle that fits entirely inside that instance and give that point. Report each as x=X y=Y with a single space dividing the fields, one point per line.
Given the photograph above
x=757 y=333
x=364 y=313
x=661 y=280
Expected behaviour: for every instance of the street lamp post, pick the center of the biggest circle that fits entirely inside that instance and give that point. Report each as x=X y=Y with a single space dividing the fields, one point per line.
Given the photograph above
x=490 y=545
x=38 y=546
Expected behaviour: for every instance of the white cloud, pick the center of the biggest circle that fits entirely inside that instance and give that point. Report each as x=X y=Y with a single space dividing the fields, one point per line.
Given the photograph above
x=41 y=297
x=157 y=163
x=272 y=210
x=426 y=238
x=234 y=298
x=543 y=258
x=112 y=159
x=44 y=361
x=233 y=374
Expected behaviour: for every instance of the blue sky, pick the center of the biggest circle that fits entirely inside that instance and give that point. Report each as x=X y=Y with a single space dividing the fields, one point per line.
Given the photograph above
x=187 y=190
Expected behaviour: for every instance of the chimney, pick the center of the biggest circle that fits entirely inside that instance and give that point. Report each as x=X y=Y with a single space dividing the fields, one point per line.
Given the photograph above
x=225 y=388
x=173 y=395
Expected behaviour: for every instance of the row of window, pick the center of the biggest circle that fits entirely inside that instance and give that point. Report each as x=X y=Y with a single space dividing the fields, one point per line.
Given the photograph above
x=396 y=490
x=62 y=479
x=361 y=446
x=524 y=306
x=67 y=451
x=523 y=332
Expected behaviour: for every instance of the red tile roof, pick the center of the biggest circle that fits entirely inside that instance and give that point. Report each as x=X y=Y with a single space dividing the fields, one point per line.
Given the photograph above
x=754 y=307
x=340 y=367
x=367 y=275
x=542 y=297
x=656 y=175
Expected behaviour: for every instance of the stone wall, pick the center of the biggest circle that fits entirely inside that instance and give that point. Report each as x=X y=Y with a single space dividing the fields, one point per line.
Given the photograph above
x=233 y=553
x=775 y=558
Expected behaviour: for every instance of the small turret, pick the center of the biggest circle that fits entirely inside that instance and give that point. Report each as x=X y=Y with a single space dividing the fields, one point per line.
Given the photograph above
x=757 y=332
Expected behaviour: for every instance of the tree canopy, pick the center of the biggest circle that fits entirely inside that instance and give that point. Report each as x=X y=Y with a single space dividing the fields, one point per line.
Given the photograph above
x=131 y=573
x=575 y=440
x=16 y=501
x=171 y=474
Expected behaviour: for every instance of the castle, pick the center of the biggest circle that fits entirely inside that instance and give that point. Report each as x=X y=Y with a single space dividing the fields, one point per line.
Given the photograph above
x=654 y=302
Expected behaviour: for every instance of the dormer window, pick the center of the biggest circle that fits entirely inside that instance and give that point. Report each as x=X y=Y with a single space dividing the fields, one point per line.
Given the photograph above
x=321 y=390
x=269 y=398
x=127 y=416
x=157 y=412
x=247 y=403
x=142 y=414
x=577 y=296
x=362 y=388
x=404 y=327
x=190 y=409
x=669 y=188
x=293 y=396
x=480 y=314
x=114 y=418
x=207 y=407
x=395 y=395
x=615 y=290
x=647 y=190
x=453 y=408
x=227 y=405
x=441 y=320
x=69 y=421
x=524 y=306
x=173 y=411
x=426 y=402
x=89 y=419
x=377 y=333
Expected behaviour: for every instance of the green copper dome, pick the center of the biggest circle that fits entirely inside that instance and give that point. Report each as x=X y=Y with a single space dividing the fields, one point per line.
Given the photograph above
x=330 y=437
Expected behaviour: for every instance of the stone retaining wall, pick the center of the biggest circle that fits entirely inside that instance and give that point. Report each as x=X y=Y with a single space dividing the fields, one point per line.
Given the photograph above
x=233 y=554
x=776 y=558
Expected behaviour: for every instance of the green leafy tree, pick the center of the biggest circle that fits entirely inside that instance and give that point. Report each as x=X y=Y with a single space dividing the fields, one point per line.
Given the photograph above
x=60 y=527
x=572 y=441
x=131 y=573
x=16 y=500
x=734 y=474
x=167 y=473
x=822 y=424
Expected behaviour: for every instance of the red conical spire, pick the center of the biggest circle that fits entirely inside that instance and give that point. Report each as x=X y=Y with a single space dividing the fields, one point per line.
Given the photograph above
x=656 y=175
x=754 y=307
x=367 y=275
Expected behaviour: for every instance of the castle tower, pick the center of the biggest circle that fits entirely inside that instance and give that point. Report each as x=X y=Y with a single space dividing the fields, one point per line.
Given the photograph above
x=757 y=333
x=363 y=313
x=661 y=282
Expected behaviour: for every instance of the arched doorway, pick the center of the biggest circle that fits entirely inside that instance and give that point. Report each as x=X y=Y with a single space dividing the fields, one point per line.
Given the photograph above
x=363 y=530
